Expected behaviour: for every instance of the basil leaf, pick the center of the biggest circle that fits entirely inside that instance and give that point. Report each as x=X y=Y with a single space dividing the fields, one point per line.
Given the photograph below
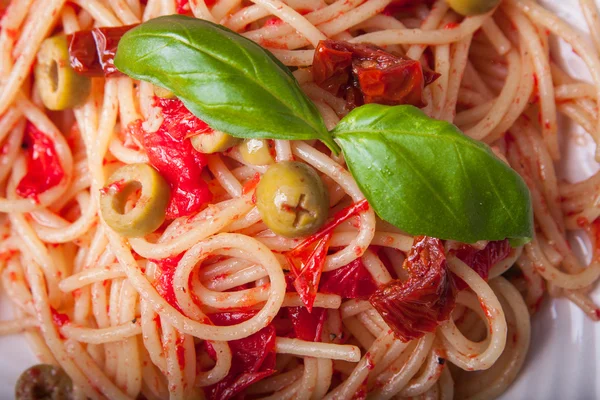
x=427 y=178
x=228 y=81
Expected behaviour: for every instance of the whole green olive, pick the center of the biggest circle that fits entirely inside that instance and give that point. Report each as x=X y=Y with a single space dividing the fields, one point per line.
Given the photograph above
x=256 y=151
x=213 y=142
x=472 y=7
x=163 y=93
x=149 y=210
x=292 y=199
x=44 y=382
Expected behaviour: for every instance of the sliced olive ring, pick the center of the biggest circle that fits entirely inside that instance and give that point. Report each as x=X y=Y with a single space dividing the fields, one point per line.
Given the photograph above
x=292 y=199
x=149 y=210
x=213 y=142
x=59 y=85
x=45 y=382
x=256 y=152
x=472 y=7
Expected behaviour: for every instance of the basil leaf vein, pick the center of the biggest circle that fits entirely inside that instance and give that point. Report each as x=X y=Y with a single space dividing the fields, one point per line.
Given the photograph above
x=220 y=76
x=427 y=178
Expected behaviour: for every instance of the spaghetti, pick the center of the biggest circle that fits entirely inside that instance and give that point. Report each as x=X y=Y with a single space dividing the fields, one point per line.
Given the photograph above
x=203 y=306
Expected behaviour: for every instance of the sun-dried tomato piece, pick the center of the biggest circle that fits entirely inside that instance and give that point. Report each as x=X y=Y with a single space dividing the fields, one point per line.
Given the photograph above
x=352 y=281
x=307 y=326
x=417 y=306
x=363 y=73
x=307 y=259
x=482 y=260
x=336 y=220
x=92 y=52
x=253 y=357
x=306 y=265
x=172 y=154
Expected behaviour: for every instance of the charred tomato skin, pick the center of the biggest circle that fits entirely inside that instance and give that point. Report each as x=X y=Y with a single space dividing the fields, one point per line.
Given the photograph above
x=417 y=306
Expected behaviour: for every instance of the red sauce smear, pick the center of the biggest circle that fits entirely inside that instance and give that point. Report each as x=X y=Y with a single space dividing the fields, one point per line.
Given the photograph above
x=180 y=351
x=307 y=259
x=92 y=52
x=3 y=7
x=58 y=318
x=43 y=165
x=183 y=6
x=482 y=260
x=363 y=73
x=172 y=154
x=417 y=306
x=361 y=393
x=113 y=188
x=273 y=21
x=251 y=184
x=253 y=357
x=595 y=231
x=164 y=283
x=403 y=6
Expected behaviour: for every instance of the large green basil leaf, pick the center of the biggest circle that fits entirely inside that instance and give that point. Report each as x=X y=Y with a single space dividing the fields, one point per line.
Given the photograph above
x=427 y=178
x=228 y=81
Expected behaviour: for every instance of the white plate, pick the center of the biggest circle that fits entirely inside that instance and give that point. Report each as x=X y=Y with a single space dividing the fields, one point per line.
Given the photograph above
x=564 y=358
x=562 y=362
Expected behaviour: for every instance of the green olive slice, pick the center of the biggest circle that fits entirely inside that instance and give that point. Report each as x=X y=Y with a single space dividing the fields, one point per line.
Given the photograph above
x=149 y=210
x=59 y=85
x=472 y=7
x=213 y=142
x=44 y=382
x=292 y=199
x=256 y=151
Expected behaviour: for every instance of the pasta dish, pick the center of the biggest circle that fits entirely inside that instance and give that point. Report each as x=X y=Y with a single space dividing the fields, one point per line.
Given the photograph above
x=288 y=199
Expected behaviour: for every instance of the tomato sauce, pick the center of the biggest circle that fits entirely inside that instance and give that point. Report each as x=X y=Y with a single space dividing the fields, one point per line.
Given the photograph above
x=113 y=188
x=58 y=318
x=164 y=283
x=183 y=6
x=180 y=351
x=43 y=165
x=403 y=6
x=251 y=184
x=594 y=230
